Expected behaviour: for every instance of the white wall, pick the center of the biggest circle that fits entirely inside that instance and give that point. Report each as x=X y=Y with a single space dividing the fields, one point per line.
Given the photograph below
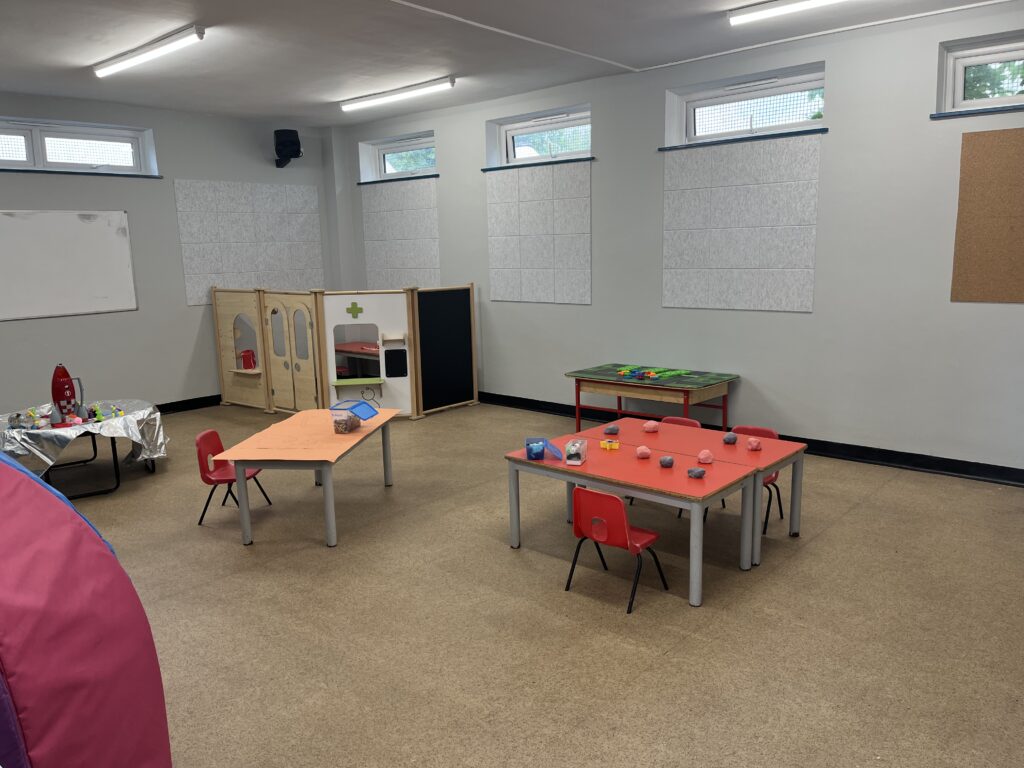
x=884 y=360
x=165 y=351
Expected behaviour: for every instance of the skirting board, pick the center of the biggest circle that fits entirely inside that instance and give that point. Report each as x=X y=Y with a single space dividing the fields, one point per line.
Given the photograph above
x=989 y=473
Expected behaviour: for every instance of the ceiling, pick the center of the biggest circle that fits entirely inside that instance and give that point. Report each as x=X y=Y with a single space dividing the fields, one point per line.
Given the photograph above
x=295 y=59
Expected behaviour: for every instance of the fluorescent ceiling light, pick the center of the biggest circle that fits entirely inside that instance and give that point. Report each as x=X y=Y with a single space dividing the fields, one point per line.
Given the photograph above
x=164 y=45
x=774 y=8
x=410 y=91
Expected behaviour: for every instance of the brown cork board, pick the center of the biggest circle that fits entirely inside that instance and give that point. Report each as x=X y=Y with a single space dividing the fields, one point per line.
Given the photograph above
x=988 y=258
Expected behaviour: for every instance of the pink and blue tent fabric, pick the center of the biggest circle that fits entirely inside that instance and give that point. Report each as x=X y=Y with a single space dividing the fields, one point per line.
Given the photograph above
x=79 y=678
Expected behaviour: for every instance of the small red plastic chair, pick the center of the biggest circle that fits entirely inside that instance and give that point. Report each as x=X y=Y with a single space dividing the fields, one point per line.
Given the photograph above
x=770 y=481
x=681 y=421
x=601 y=518
x=208 y=445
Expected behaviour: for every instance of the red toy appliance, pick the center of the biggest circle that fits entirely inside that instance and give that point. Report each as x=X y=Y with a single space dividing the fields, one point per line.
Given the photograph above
x=248 y=358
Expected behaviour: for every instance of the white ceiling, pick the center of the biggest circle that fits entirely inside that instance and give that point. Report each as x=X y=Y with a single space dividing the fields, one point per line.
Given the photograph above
x=296 y=59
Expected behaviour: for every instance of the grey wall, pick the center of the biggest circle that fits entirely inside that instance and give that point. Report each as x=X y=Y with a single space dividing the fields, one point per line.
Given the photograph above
x=165 y=350
x=884 y=359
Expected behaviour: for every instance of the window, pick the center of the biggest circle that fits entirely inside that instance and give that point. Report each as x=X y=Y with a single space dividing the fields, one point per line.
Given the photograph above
x=409 y=157
x=766 y=105
x=547 y=138
x=979 y=75
x=76 y=147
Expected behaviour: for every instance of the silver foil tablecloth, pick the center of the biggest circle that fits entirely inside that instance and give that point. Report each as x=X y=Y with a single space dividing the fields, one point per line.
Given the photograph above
x=140 y=424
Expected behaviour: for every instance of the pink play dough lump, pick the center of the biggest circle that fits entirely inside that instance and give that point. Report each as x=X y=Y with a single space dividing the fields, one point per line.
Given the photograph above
x=651 y=426
x=643 y=452
x=753 y=444
x=705 y=457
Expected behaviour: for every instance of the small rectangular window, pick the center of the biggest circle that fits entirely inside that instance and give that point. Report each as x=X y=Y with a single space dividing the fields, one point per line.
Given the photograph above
x=76 y=147
x=763 y=106
x=14 y=147
x=95 y=153
x=408 y=157
x=548 y=138
x=983 y=76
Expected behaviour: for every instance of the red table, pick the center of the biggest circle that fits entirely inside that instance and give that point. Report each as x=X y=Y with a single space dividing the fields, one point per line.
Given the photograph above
x=621 y=473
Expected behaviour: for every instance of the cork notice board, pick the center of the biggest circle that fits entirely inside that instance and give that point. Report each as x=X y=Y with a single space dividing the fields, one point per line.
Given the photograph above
x=988 y=258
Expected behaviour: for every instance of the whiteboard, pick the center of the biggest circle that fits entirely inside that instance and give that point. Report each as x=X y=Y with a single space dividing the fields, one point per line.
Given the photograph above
x=55 y=263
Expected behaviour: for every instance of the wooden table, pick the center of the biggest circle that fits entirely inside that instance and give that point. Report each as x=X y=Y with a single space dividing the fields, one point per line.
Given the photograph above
x=774 y=455
x=306 y=441
x=667 y=385
x=621 y=473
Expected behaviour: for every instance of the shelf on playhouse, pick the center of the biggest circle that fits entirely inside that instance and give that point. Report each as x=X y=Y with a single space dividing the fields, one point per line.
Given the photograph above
x=365 y=382
x=247 y=371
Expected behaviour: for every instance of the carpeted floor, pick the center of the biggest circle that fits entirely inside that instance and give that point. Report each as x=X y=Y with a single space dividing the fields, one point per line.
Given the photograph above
x=891 y=633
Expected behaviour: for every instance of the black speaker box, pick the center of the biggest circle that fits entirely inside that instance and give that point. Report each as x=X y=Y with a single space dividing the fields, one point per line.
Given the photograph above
x=287 y=146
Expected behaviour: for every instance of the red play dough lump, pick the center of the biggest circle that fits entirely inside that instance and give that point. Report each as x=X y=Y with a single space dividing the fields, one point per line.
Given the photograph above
x=705 y=457
x=753 y=444
x=651 y=426
x=643 y=452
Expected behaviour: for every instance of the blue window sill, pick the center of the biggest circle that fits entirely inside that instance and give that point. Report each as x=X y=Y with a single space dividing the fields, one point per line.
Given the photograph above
x=975 y=112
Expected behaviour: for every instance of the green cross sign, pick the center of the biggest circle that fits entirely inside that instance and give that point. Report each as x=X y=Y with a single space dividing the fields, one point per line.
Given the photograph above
x=355 y=310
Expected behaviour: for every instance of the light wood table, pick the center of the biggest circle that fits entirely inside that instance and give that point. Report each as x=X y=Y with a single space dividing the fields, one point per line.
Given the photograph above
x=305 y=441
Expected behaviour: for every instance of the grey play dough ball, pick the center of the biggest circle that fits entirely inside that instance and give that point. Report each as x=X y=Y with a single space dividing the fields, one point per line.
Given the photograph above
x=729 y=438
x=611 y=429
x=666 y=461
x=695 y=472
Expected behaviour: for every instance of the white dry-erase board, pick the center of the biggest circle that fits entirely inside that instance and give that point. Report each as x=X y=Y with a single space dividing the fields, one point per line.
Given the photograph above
x=55 y=263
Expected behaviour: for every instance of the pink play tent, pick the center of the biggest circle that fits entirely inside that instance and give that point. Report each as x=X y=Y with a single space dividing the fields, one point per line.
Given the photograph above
x=79 y=678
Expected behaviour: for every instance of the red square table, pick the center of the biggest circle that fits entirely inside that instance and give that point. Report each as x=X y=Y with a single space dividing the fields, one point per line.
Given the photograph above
x=621 y=473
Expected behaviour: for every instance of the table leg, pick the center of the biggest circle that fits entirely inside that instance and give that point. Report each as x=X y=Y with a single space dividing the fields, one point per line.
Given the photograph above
x=242 y=489
x=696 y=552
x=513 y=507
x=326 y=475
x=725 y=411
x=618 y=406
x=385 y=441
x=569 y=488
x=746 y=523
x=577 y=405
x=796 y=494
x=686 y=405
x=755 y=519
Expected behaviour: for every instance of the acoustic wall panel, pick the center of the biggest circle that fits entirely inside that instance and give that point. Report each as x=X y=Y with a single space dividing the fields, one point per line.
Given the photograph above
x=740 y=222
x=400 y=234
x=538 y=226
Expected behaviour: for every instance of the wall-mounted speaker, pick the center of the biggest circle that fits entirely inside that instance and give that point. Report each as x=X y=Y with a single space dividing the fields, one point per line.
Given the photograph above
x=287 y=146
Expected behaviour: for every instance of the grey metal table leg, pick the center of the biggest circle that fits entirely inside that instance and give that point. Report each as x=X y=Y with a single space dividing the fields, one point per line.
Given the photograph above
x=746 y=523
x=326 y=475
x=242 y=489
x=796 y=496
x=385 y=441
x=696 y=552
x=755 y=534
x=513 y=506
x=569 y=487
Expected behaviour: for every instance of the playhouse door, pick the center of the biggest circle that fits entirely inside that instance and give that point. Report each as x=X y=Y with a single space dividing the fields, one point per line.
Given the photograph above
x=277 y=319
x=303 y=352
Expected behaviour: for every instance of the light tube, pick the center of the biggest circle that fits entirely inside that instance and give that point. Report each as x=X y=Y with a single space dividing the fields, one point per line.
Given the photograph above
x=182 y=38
x=774 y=8
x=411 y=91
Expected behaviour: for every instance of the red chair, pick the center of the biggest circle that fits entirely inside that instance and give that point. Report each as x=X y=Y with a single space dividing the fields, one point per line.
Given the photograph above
x=208 y=444
x=770 y=480
x=681 y=421
x=601 y=518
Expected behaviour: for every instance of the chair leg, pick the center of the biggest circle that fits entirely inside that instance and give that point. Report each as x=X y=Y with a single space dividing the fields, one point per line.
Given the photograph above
x=207 y=504
x=680 y=515
x=657 y=564
x=778 y=493
x=723 y=503
x=601 y=555
x=631 y=500
x=636 y=580
x=705 y=514
x=572 y=568
x=257 y=481
x=233 y=497
x=226 y=494
x=768 y=512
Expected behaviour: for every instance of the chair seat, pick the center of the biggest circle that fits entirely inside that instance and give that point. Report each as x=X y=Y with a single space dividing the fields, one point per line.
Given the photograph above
x=640 y=539
x=769 y=479
x=227 y=475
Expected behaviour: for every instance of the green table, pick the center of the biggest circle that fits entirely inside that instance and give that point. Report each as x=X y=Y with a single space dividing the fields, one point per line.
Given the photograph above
x=641 y=382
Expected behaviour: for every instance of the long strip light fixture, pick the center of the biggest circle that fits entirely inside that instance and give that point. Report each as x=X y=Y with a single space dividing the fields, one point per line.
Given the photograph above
x=774 y=8
x=408 y=92
x=174 y=41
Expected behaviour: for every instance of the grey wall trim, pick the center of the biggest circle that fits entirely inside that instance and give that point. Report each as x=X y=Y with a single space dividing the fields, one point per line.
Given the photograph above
x=743 y=139
x=80 y=173
x=400 y=178
x=976 y=112
x=535 y=165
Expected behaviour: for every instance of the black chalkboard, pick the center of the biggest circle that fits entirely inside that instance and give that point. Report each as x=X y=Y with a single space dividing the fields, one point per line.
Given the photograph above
x=445 y=320
x=396 y=363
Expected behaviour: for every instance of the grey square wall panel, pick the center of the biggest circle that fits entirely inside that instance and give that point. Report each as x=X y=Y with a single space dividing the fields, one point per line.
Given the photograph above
x=400 y=234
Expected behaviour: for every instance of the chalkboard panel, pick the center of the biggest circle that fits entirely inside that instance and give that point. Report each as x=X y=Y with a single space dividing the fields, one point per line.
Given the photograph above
x=445 y=319
x=396 y=363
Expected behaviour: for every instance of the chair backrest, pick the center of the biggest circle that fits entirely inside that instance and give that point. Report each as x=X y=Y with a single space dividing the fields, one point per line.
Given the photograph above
x=756 y=431
x=682 y=421
x=600 y=517
x=208 y=444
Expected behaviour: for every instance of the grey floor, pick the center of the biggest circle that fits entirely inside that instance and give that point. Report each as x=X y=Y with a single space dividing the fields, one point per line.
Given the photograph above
x=891 y=633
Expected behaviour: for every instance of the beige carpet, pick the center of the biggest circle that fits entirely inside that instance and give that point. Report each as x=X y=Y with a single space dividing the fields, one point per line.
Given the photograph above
x=891 y=633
